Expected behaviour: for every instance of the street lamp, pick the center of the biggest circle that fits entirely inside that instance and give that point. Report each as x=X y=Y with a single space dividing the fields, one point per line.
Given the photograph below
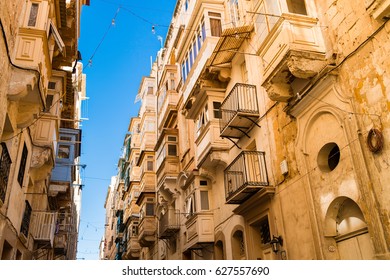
x=276 y=242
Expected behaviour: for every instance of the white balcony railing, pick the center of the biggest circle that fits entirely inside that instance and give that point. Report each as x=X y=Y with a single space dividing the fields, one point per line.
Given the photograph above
x=43 y=226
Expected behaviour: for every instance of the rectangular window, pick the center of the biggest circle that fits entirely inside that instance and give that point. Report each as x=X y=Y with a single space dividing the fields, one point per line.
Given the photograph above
x=190 y=206
x=194 y=48
x=234 y=12
x=264 y=231
x=26 y=219
x=32 y=19
x=63 y=151
x=199 y=38
x=183 y=72
x=203 y=29
x=65 y=138
x=265 y=21
x=49 y=103
x=149 y=165
x=203 y=182
x=52 y=85
x=149 y=209
x=173 y=85
x=22 y=167
x=187 y=67
x=216 y=110
x=150 y=90
x=190 y=54
x=134 y=230
x=204 y=200
x=172 y=139
x=5 y=166
x=206 y=114
x=215 y=24
x=172 y=150
x=297 y=7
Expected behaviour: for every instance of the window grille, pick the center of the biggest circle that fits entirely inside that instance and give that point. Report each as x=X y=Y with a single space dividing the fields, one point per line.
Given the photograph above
x=22 y=167
x=26 y=219
x=5 y=165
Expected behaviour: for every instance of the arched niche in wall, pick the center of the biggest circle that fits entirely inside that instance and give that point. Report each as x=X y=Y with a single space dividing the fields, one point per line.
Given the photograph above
x=219 y=246
x=345 y=222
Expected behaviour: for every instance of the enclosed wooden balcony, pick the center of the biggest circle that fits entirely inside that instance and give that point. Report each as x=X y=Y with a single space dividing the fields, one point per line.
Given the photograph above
x=134 y=175
x=200 y=230
x=147 y=231
x=168 y=162
x=120 y=226
x=148 y=182
x=61 y=243
x=148 y=141
x=133 y=248
x=169 y=224
x=239 y=111
x=210 y=147
x=245 y=176
x=43 y=227
x=168 y=109
x=168 y=97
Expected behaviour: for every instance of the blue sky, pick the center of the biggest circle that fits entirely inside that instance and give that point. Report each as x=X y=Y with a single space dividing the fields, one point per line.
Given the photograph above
x=116 y=44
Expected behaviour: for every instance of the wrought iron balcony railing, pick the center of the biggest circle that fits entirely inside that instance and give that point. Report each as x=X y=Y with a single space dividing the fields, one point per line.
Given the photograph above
x=239 y=111
x=245 y=176
x=169 y=223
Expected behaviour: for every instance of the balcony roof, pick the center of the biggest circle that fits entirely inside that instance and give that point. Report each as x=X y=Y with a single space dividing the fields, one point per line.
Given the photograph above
x=229 y=43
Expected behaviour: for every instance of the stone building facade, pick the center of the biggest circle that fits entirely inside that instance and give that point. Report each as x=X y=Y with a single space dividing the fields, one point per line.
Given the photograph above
x=271 y=131
x=41 y=89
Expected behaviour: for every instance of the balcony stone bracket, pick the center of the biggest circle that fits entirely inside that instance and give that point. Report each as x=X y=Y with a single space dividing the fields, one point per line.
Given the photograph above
x=205 y=173
x=23 y=83
x=214 y=158
x=24 y=88
x=182 y=179
x=211 y=79
x=41 y=162
x=301 y=65
x=168 y=192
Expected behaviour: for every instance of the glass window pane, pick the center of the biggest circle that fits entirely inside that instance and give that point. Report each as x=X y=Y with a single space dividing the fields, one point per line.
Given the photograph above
x=172 y=150
x=150 y=166
x=32 y=20
x=216 y=27
x=149 y=209
x=297 y=7
x=204 y=200
x=63 y=151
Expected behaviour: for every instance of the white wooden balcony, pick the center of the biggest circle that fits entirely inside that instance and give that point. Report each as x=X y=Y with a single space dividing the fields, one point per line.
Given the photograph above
x=43 y=227
x=210 y=147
